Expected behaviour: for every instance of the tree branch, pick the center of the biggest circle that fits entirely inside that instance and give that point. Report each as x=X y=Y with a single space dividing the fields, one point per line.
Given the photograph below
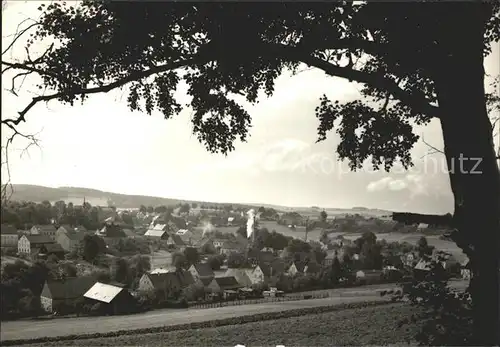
x=417 y=102
x=101 y=89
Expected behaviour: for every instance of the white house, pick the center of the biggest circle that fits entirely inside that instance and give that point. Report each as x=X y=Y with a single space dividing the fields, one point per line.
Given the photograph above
x=9 y=236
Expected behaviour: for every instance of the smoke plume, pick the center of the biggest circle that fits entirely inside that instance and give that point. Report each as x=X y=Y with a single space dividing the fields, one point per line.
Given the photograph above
x=207 y=228
x=250 y=222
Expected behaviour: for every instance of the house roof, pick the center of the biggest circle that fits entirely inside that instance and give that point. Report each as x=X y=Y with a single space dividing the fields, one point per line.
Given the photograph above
x=299 y=266
x=182 y=231
x=227 y=283
x=203 y=242
x=163 y=280
x=312 y=268
x=176 y=239
x=38 y=239
x=160 y=226
x=45 y=227
x=8 y=230
x=204 y=270
x=53 y=248
x=103 y=292
x=155 y=233
x=76 y=236
x=70 y=288
x=206 y=280
x=423 y=265
x=112 y=230
x=275 y=268
x=241 y=275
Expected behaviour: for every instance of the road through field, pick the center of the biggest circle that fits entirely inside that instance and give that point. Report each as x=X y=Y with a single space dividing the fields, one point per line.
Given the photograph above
x=28 y=329
x=87 y=325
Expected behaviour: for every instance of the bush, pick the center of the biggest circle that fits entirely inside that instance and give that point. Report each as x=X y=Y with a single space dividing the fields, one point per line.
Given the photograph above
x=447 y=314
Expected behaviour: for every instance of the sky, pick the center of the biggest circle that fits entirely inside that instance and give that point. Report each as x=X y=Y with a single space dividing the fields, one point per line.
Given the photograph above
x=102 y=145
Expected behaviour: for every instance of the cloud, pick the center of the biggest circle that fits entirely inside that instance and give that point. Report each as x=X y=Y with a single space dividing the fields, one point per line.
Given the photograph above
x=415 y=184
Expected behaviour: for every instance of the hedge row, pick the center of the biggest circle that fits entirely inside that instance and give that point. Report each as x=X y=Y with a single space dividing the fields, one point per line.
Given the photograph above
x=201 y=325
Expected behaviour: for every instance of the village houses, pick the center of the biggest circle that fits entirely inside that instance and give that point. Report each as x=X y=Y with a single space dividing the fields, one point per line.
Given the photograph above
x=64 y=292
x=69 y=238
x=9 y=236
x=168 y=283
x=113 y=298
x=45 y=230
x=30 y=244
x=176 y=242
x=227 y=287
x=201 y=271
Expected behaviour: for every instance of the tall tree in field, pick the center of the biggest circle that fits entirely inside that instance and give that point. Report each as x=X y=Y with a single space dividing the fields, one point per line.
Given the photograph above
x=416 y=61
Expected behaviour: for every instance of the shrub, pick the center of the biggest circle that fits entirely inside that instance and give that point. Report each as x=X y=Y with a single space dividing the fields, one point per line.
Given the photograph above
x=447 y=314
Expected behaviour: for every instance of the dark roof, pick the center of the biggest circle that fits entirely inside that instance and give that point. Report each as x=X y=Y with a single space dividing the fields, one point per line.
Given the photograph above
x=300 y=266
x=47 y=227
x=164 y=280
x=8 y=230
x=113 y=230
x=52 y=248
x=70 y=288
x=206 y=280
x=204 y=270
x=177 y=240
x=313 y=268
x=275 y=268
x=129 y=233
x=227 y=283
x=78 y=236
x=38 y=239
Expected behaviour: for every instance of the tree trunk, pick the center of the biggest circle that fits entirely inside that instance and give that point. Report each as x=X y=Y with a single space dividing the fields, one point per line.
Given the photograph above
x=470 y=155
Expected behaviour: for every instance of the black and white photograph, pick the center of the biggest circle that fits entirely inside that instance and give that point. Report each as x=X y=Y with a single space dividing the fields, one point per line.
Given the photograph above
x=250 y=173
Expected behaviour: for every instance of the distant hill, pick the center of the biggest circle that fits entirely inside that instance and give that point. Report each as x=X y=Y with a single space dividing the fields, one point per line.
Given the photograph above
x=26 y=192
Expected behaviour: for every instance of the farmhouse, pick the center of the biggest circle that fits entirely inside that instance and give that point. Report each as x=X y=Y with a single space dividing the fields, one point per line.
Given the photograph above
x=9 y=236
x=69 y=238
x=156 y=234
x=45 y=230
x=201 y=271
x=169 y=283
x=225 y=286
x=29 y=244
x=56 y=294
x=113 y=299
x=243 y=276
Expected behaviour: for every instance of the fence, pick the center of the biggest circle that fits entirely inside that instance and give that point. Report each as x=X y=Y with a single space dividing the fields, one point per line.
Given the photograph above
x=259 y=301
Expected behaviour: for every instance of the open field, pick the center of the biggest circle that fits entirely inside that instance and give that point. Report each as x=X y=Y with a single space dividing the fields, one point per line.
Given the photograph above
x=359 y=326
x=30 y=329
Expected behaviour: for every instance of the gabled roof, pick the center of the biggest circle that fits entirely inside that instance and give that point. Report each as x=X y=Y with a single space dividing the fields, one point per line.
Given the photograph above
x=275 y=268
x=112 y=230
x=103 y=292
x=38 y=239
x=162 y=281
x=227 y=283
x=299 y=266
x=70 y=288
x=176 y=239
x=8 y=230
x=241 y=275
x=155 y=233
x=160 y=226
x=204 y=270
x=68 y=228
x=206 y=280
